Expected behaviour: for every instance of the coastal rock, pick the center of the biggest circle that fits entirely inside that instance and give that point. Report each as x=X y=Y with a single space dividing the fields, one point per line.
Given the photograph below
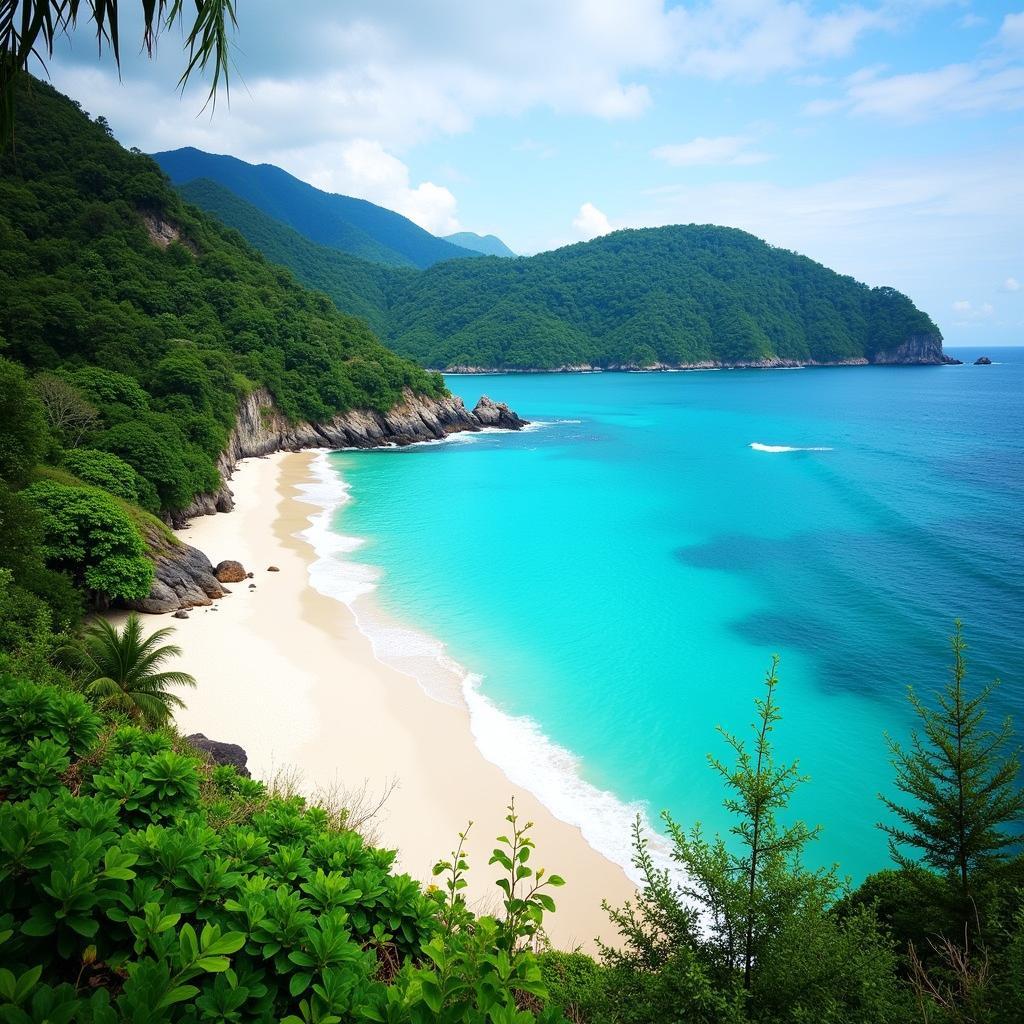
x=261 y=429
x=221 y=753
x=180 y=614
x=183 y=575
x=917 y=350
x=229 y=571
x=272 y=568
x=983 y=361
x=497 y=414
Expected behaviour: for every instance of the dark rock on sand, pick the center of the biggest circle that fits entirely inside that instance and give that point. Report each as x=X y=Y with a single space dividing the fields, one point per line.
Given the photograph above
x=229 y=571
x=221 y=753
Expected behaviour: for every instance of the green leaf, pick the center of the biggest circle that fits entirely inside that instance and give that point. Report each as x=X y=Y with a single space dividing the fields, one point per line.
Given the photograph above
x=178 y=995
x=299 y=983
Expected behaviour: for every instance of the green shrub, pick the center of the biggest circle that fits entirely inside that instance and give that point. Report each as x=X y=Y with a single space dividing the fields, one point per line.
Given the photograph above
x=87 y=535
x=104 y=469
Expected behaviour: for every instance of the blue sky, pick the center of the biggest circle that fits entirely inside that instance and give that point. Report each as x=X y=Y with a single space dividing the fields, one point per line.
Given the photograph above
x=885 y=139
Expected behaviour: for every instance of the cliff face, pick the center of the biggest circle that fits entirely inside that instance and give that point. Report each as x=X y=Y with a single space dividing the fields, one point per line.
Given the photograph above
x=261 y=429
x=917 y=350
x=184 y=575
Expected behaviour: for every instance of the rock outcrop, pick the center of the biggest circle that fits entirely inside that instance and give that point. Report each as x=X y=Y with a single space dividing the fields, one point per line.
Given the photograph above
x=917 y=350
x=983 y=361
x=185 y=577
x=221 y=753
x=260 y=429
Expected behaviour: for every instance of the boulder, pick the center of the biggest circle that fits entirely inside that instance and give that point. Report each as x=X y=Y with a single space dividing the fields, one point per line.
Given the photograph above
x=983 y=361
x=180 y=614
x=272 y=568
x=497 y=414
x=229 y=571
x=221 y=753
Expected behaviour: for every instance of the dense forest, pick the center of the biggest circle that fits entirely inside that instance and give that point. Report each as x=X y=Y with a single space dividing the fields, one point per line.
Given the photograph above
x=357 y=286
x=352 y=226
x=673 y=295
x=155 y=316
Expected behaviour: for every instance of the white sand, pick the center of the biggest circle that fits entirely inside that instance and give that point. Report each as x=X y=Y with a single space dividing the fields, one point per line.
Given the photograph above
x=285 y=672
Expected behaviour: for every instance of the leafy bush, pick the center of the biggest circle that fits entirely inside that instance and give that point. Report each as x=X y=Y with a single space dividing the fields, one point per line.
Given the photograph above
x=23 y=434
x=119 y=902
x=89 y=536
x=103 y=469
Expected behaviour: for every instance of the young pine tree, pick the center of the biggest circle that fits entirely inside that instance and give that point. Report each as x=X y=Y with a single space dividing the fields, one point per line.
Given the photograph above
x=961 y=778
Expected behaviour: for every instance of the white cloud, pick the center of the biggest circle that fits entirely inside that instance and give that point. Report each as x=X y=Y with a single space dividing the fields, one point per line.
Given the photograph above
x=365 y=169
x=722 y=151
x=955 y=88
x=971 y=20
x=590 y=222
x=750 y=40
x=967 y=313
x=1011 y=284
x=1011 y=32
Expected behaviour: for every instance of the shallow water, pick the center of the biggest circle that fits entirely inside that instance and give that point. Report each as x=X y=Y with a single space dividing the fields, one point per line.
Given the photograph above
x=613 y=583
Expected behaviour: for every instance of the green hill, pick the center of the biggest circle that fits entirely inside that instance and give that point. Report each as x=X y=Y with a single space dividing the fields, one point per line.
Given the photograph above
x=487 y=245
x=680 y=295
x=673 y=295
x=357 y=286
x=157 y=316
x=354 y=226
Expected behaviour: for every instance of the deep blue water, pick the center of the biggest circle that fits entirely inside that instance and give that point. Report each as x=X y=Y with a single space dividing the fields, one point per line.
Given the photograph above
x=623 y=574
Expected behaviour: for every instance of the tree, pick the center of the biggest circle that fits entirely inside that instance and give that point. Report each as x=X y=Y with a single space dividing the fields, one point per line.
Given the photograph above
x=104 y=469
x=29 y=29
x=749 y=933
x=124 y=668
x=738 y=887
x=67 y=412
x=961 y=778
x=23 y=434
x=89 y=536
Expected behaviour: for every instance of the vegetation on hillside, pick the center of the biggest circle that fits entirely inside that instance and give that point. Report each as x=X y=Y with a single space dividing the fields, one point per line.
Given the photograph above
x=143 y=320
x=673 y=295
x=357 y=286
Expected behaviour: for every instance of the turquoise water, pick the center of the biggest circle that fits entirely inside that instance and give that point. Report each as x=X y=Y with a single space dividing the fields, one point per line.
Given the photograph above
x=622 y=574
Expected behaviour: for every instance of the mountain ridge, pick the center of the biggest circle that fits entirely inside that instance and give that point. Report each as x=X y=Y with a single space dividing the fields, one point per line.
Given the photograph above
x=354 y=226
x=675 y=297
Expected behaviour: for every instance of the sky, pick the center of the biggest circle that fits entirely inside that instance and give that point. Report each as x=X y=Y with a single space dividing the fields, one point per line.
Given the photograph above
x=884 y=138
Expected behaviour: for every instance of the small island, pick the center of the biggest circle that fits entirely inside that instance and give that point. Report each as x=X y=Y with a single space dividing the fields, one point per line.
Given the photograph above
x=983 y=361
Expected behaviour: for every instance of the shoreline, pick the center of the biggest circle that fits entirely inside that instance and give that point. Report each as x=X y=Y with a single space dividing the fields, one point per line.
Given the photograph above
x=285 y=671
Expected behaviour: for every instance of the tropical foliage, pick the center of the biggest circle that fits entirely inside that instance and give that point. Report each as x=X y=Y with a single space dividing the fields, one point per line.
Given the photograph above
x=123 y=670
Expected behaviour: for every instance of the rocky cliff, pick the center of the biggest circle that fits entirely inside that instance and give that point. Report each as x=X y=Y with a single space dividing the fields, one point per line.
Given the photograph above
x=917 y=350
x=185 y=577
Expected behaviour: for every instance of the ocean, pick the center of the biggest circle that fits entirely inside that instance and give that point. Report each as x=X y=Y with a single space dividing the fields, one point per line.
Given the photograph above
x=607 y=588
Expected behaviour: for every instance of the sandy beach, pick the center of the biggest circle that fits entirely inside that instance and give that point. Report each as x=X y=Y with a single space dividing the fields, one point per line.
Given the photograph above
x=284 y=671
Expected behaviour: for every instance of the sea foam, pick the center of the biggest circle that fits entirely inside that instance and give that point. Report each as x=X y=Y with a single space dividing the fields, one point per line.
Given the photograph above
x=516 y=744
x=776 y=448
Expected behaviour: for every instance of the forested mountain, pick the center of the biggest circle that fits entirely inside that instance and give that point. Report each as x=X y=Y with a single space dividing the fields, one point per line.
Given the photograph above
x=672 y=295
x=356 y=286
x=354 y=226
x=687 y=294
x=488 y=245
x=154 y=315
